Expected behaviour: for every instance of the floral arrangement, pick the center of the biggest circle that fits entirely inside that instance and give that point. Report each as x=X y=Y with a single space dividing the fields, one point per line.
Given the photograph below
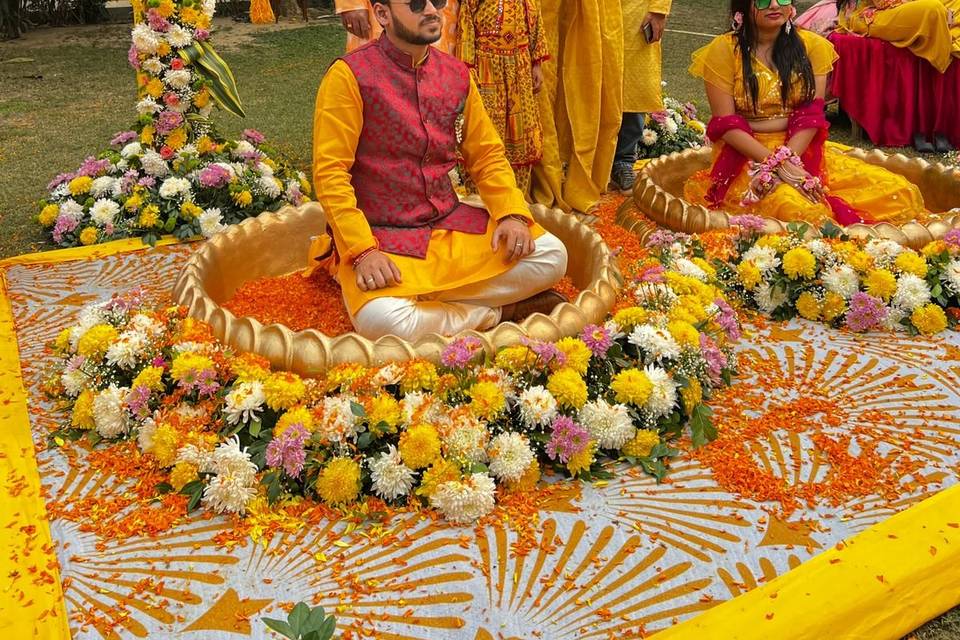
x=227 y=429
x=675 y=128
x=863 y=286
x=172 y=173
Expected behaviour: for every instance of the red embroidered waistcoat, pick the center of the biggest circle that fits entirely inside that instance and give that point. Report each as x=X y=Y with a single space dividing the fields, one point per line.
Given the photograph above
x=408 y=146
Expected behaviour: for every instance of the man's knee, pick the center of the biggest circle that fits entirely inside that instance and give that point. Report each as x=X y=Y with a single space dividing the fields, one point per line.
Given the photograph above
x=387 y=316
x=552 y=253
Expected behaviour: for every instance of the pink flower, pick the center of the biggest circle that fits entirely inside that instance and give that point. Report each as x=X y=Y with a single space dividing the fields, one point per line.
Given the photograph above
x=201 y=34
x=546 y=351
x=597 y=339
x=567 y=440
x=253 y=136
x=866 y=312
x=138 y=401
x=92 y=167
x=748 y=223
x=952 y=237
x=166 y=152
x=167 y=121
x=460 y=352
x=660 y=117
x=715 y=358
x=214 y=176
x=661 y=239
x=288 y=450
x=652 y=273
x=157 y=22
x=133 y=57
x=727 y=319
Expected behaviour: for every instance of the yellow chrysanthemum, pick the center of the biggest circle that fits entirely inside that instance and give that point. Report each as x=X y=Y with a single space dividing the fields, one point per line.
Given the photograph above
x=97 y=339
x=166 y=8
x=149 y=377
x=297 y=415
x=516 y=358
x=684 y=333
x=630 y=317
x=568 y=387
x=249 y=367
x=693 y=305
x=283 y=390
x=834 y=306
x=706 y=266
x=80 y=185
x=910 y=262
x=384 y=408
x=799 y=263
x=419 y=446
x=642 y=443
x=577 y=352
x=691 y=395
x=339 y=481
x=89 y=236
x=749 y=274
x=154 y=88
x=48 y=215
x=166 y=443
x=176 y=138
x=929 y=319
x=163 y=49
x=772 y=241
x=419 y=375
x=190 y=211
x=243 y=198
x=632 y=386
x=808 y=306
x=188 y=366
x=204 y=144
x=146 y=134
x=62 y=342
x=439 y=472
x=487 y=400
x=183 y=473
x=528 y=481
x=189 y=15
x=683 y=285
x=133 y=202
x=860 y=260
x=935 y=248
x=581 y=461
x=82 y=416
x=881 y=283
x=149 y=217
x=305 y=187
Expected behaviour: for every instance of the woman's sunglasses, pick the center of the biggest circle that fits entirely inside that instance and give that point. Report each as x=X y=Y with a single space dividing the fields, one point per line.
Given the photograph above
x=417 y=6
x=759 y=4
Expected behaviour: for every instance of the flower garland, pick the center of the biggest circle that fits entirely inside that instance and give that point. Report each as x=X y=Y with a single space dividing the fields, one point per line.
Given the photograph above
x=226 y=429
x=172 y=173
x=862 y=286
x=674 y=128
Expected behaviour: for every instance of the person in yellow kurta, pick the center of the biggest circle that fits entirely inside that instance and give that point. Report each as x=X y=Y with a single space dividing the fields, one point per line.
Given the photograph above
x=769 y=153
x=928 y=28
x=261 y=12
x=362 y=27
x=411 y=258
x=643 y=24
x=502 y=42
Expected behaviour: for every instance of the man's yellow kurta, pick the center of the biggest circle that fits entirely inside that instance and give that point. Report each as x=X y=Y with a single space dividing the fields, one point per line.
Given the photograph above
x=448 y=38
x=641 y=61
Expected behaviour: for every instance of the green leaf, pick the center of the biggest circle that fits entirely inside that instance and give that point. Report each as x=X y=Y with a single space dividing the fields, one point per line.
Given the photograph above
x=218 y=78
x=364 y=440
x=325 y=632
x=358 y=409
x=478 y=467
x=298 y=617
x=281 y=627
x=194 y=501
x=255 y=428
x=701 y=428
x=163 y=487
x=94 y=438
x=317 y=614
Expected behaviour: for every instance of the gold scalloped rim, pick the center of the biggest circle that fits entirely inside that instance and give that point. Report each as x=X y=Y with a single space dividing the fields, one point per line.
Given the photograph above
x=939 y=184
x=260 y=247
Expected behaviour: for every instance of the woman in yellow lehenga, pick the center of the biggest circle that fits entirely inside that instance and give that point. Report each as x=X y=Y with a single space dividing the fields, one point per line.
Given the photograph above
x=503 y=44
x=261 y=12
x=928 y=28
x=769 y=133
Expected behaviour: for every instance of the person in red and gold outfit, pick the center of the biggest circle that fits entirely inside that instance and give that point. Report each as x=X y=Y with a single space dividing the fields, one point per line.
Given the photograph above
x=411 y=258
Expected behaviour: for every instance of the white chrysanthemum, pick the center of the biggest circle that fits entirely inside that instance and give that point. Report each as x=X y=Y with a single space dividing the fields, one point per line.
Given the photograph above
x=270 y=186
x=243 y=147
x=884 y=252
x=153 y=164
x=465 y=439
x=292 y=192
x=131 y=149
x=769 y=298
x=391 y=478
x=71 y=209
x=339 y=422
x=264 y=169
x=663 y=397
x=153 y=65
x=656 y=343
x=229 y=459
x=689 y=268
x=178 y=37
x=145 y=435
x=145 y=39
x=654 y=294
x=177 y=79
x=203 y=460
x=912 y=292
x=74 y=381
x=173 y=187
x=820 y=249
x=244 y=402
x=894 y=315
x=145 y=324
x=466 y=501
x=671 y=126
x=504 y=381
x=842 y=280
x=765 y=258
x=227 y=493
x=104 y=212
x=649 y=137
x=609 y=424
x=510 y=456
x=146 y=107
x=61 y=191
x=412 y=404
x=211 y=222
x=127 y=349
x=537 y=407
x=102 y=186
x=951 y=277
x=109 y=416
x=189 y=411
x=209 y=6
x=187 y=150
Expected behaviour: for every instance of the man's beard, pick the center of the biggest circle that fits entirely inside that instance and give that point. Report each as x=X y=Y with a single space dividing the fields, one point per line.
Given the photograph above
x=412 y=37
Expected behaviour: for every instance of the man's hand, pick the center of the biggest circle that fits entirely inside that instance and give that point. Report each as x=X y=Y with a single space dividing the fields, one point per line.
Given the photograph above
x=376 y=271
x=514 y=235
x=657 y=21
x=356 y=22
x=537 y=77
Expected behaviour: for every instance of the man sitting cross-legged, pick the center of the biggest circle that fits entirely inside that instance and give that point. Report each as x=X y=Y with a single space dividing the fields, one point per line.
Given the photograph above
x=411 y=258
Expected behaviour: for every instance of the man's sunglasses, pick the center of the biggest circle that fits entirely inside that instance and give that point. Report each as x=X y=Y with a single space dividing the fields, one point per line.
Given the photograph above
x=759 y=4
x=417 y=6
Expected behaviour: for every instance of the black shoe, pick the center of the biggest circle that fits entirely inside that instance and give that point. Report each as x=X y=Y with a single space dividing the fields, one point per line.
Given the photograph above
x=941 y=143
x=622 y=177
x=921 y=144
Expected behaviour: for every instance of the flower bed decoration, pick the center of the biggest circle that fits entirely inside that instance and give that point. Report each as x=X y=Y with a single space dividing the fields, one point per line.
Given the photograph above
x=672 y=129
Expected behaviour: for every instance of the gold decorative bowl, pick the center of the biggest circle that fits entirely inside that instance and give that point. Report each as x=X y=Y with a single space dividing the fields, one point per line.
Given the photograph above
x=659 y=187
x=274 y=244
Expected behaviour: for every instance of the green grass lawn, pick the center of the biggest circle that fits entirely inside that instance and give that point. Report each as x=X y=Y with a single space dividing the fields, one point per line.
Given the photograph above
x=64 y=92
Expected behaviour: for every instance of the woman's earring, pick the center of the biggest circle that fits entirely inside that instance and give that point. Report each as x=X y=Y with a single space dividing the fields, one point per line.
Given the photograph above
x=789 y=26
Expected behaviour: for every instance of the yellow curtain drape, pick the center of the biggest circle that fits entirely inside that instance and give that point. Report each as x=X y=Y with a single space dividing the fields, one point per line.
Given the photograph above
x=581 y=101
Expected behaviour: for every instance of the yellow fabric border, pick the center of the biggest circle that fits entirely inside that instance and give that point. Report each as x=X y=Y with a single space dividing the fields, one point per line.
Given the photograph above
x=879 y=585
x=84 y=253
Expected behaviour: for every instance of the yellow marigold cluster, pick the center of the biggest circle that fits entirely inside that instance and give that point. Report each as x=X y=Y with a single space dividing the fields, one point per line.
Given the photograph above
x=283 y=390
x=249 y=367
x=808 y=306
x=97 y=339
x=166 y=443
x=149 y=377
x=384 y=408
x=568 y=387
x=642 y=444
x=749 y=274
x=486 y=400
x=577 y=352
x=419 y=375
x=339 y=481
x=80 y=185
x=48 y=215
x=183 y=473
x=834 y=306
x=581 y=461
x=799 y=263
x=419 y=446
x=684 y=333
x=187 y=366
x=880 y=283
x=910 y=262
x=630 y=317
x=439 y=472
x=516 y=358
x=929 y=319
x=632 y=386
x=297 y=415
x=691 y=395
x=89 y=236
x=82 y=416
